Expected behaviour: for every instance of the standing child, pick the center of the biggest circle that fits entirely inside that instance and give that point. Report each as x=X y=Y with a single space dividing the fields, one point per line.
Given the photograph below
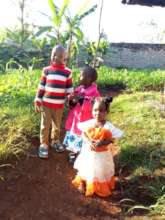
x=55 y=85
x=95 y=162
x=80 y=110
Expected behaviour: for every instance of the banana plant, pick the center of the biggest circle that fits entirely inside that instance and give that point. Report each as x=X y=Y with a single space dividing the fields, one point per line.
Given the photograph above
x=58 y=16
x=100 y=34
x=66 y=29
x=75 y=34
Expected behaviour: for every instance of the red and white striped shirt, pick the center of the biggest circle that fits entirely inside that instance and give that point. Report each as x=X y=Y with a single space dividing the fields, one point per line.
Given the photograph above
x=55 y=85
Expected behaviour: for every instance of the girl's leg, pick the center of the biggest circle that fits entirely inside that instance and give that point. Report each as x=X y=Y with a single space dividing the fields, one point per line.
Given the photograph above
x=79 y=183
x=81 y=187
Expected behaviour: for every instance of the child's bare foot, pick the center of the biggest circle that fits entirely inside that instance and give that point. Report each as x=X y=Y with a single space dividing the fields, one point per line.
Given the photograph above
x=81 y=188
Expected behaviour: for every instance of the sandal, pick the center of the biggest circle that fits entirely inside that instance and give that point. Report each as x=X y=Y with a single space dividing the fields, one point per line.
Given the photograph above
x=58 y=147
x=72 y=157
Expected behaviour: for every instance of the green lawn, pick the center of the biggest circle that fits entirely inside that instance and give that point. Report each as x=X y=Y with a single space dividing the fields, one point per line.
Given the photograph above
x=137 y=111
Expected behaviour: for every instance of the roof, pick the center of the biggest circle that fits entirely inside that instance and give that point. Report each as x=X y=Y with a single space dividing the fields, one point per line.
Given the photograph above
x=145 y=2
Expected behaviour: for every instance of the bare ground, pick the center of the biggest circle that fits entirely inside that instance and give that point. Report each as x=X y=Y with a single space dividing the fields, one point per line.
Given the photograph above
x=36 y=189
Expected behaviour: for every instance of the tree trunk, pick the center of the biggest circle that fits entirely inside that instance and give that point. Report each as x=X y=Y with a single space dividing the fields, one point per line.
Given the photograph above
x=99 y=30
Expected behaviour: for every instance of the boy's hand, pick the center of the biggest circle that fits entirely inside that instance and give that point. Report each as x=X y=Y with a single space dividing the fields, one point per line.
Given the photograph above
x=37 y=108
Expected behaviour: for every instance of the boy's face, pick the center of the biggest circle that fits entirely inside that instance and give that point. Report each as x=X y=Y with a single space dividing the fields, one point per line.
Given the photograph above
x=59 y=56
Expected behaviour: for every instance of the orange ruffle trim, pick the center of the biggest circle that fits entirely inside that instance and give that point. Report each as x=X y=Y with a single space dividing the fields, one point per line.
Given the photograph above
x=100 y=188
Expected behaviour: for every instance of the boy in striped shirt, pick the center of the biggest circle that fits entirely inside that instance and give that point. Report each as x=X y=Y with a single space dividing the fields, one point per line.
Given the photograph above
x=55 y=84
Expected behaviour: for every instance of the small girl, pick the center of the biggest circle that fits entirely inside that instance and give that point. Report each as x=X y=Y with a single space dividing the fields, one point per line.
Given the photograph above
x=80 y=103
x=95 y=162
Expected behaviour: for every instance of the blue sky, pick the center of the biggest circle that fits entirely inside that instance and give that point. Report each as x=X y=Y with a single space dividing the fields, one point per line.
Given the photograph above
x=121 y=23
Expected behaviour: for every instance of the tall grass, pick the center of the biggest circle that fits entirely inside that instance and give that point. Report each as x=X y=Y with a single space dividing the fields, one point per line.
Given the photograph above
x=17 y=119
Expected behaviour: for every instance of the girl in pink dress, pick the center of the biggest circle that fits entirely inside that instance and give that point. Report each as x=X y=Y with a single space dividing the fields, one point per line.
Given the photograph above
x=80 y=103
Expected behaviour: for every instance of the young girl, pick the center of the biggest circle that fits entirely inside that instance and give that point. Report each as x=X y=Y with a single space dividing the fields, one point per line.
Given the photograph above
x=95 y=162
x=80 y=103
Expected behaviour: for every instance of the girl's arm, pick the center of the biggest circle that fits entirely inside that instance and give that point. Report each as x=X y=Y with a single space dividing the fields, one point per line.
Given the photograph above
x=88 y=141
x=94 y=144
x=104 y=142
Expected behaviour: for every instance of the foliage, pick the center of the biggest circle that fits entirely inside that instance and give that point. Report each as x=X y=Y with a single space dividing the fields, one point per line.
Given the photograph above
x=18 y=120
x=90 y=48
x=131 y=80
x=25 y=56
x=142 y=155
x=20 y=33
x=66 y=28
x=24 y=43
x=2 y=35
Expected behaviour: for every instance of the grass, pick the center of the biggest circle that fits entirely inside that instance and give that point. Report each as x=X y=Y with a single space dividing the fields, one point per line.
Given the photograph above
x=142 y=154
x=142 y=158
x=132 y=80
x=17 y=119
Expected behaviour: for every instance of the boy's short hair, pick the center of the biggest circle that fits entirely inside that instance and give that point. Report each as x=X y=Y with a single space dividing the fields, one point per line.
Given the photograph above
x=92 y=73
x=57 y=51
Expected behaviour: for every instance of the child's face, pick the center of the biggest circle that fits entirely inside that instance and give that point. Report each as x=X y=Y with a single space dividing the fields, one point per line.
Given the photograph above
x=99 y=111
x=84 y=79
x=60 y=56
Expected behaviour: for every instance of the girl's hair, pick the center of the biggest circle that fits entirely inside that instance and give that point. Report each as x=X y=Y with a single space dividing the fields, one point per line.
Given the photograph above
x=57 y=52
x=104 y=101
x=91 y=73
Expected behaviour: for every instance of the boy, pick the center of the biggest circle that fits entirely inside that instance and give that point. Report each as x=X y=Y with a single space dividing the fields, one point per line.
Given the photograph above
x=55 y=85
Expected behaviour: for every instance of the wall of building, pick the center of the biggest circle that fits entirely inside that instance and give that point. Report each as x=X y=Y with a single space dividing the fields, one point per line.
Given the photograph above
x=131 y=55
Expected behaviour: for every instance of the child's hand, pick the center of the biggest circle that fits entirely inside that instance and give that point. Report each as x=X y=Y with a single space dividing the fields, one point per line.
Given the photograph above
x=72 y=100
x=72 y=96
x=37 y=108
x=98 y=143
x=93 y=145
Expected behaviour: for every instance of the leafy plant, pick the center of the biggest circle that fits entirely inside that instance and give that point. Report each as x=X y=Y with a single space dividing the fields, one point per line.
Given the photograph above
x=66 y=28
x=94 y=58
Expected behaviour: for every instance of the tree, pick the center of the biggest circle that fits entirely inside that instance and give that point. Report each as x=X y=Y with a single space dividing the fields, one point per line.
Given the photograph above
x=100 y=33
x=21 y=33
x=75 y=34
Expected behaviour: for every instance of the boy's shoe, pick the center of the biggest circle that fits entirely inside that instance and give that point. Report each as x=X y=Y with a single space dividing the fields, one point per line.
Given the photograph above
x=43 y=151
x=58 y=147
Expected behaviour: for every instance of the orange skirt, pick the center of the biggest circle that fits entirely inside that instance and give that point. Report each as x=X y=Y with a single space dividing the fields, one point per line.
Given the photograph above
x=100 y=188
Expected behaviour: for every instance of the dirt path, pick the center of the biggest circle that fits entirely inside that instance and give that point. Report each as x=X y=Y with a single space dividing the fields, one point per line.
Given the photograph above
x=36 y=189
x=41 y=189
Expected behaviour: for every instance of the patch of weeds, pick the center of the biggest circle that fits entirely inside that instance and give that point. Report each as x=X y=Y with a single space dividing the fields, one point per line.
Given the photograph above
x=142 y=150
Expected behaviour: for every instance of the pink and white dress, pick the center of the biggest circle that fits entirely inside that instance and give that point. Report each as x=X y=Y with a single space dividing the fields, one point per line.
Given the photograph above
x=79 y=113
